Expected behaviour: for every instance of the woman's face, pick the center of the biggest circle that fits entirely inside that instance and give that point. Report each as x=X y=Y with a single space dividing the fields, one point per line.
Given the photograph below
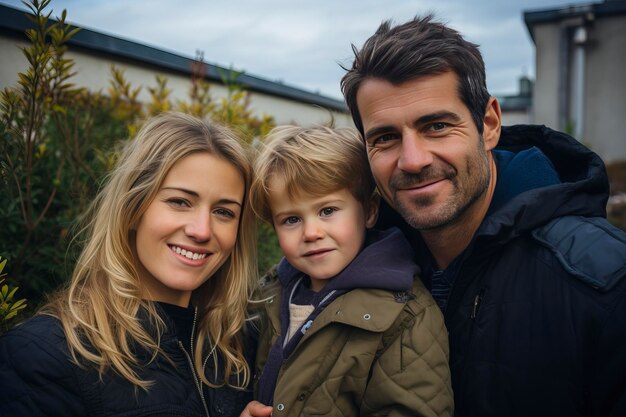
x=189 y=229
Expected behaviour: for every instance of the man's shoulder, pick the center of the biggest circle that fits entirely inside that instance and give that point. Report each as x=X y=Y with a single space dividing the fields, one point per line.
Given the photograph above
x=588 y=248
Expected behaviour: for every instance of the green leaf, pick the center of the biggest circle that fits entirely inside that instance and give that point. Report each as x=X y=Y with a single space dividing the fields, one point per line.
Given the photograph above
x=11 y=294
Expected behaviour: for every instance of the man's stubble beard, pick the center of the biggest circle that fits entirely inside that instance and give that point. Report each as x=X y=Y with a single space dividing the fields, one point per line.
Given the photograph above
x=462 y=197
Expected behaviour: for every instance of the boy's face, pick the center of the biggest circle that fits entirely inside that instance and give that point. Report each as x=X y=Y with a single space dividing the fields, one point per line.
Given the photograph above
x=320 y=236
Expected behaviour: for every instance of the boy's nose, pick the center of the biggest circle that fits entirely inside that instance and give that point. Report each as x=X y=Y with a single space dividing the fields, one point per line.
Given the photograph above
x=312 y=231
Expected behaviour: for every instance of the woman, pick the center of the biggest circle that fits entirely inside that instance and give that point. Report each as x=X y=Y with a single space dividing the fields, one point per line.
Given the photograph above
x=152 y=320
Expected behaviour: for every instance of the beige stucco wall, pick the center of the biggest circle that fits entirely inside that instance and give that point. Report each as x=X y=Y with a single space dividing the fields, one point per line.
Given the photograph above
x=546 y=88
x=605 y=88
x=605 y=84
x=94 y=72
x=510 y=118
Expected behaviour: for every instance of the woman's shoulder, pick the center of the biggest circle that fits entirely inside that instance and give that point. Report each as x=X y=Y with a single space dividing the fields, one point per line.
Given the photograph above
x=41 y=335
x=36 y=371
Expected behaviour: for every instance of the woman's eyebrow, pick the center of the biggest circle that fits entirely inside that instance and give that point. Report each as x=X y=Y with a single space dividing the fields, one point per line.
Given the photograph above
x=195 y=194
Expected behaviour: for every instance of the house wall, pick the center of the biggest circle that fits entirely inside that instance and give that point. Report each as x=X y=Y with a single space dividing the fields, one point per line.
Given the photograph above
x=515 y=117
x=604 y=83
x=94 y=72
x=546 y=89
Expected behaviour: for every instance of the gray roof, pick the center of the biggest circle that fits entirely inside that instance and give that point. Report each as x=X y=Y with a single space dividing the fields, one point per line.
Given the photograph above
x=13 y=22
x=587 y=11
x=515 y=103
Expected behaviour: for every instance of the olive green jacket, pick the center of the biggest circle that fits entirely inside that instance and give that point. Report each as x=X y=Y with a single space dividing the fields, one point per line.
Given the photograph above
x=370 y=352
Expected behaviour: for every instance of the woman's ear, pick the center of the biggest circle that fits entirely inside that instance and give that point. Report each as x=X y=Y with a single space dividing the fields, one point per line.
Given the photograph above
x=371 y=214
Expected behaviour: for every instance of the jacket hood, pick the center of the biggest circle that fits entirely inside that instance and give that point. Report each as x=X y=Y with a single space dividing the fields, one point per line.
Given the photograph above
x=386 y=262
x=583 y=189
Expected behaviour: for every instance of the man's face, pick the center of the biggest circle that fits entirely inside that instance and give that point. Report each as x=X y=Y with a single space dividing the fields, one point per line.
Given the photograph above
x=425 y=152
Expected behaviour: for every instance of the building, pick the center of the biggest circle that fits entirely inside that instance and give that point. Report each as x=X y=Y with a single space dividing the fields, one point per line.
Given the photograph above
x=580 y=84
x=517 y=109
x=94 y=53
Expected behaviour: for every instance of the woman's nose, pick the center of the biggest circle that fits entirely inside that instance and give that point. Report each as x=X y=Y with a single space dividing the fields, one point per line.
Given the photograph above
x=199 y=227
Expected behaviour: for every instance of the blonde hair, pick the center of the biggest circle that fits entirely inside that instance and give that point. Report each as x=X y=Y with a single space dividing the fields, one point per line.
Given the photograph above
x=317 y=160
x=100 y=306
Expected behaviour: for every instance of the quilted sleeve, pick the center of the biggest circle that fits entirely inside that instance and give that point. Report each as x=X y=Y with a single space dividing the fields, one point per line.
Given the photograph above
x=412 y=376
x=36 y=377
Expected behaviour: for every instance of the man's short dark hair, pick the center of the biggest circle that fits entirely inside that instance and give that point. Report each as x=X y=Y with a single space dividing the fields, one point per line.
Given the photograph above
x=414 y=49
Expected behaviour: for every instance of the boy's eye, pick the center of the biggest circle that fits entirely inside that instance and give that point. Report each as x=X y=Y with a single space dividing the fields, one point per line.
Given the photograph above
x=327 y=211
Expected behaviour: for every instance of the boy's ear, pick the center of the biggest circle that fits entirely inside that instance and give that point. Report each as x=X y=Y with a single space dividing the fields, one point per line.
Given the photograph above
x=371 y=214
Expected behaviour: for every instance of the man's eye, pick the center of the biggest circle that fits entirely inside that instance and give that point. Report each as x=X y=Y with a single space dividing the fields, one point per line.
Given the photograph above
x=381 y=140
x=438 y=126
x=385 y=138
x=327 y=211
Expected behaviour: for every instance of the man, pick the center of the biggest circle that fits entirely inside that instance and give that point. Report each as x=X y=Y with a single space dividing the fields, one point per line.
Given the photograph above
x=508 y=225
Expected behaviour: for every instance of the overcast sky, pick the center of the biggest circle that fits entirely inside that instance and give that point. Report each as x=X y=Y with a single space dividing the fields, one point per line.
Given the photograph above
x=302 y=43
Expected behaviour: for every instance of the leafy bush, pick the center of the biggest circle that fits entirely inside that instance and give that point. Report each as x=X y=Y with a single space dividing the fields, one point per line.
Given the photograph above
x=9 y=308
x=58 y=141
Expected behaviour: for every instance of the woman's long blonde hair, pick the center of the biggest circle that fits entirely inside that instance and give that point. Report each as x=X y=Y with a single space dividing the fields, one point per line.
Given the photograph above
x=100 y=306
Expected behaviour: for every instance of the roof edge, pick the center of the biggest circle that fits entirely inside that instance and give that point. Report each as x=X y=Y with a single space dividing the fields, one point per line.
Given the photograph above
x=604 y=9
x=15 y=20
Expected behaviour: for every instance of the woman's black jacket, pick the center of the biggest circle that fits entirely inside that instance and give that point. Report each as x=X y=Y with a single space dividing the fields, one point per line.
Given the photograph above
x=37 y=378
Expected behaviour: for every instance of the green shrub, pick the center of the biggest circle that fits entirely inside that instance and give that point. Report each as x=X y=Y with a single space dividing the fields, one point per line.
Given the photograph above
x=58 y=141
x=9 y=307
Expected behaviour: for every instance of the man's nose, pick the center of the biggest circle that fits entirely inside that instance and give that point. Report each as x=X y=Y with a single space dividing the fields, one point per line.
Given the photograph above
x=414 y=153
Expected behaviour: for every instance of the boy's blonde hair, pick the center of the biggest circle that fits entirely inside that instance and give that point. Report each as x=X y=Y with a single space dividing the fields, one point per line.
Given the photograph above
x=100 y=307
x=317 y=160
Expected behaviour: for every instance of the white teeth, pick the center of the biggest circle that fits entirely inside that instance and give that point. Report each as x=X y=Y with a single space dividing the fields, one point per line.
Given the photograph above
x=188 y=254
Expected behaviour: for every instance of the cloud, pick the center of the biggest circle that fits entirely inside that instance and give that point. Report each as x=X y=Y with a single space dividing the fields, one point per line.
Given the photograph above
x=302 y=43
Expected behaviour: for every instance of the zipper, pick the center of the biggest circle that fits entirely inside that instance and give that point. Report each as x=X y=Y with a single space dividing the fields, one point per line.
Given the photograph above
x=196 y=379
x=477 y=300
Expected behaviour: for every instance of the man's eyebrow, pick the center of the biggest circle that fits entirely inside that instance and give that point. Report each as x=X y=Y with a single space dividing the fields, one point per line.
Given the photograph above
x=442 y=115
x=377 y=131
x=425 y=119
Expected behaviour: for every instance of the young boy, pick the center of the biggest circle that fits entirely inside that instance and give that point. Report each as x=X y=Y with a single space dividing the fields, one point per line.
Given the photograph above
x=351 y=329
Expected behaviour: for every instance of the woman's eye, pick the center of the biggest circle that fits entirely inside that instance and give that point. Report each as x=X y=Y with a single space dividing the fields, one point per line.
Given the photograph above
x=178 y=202
x=327 y=211
x=225 y=213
